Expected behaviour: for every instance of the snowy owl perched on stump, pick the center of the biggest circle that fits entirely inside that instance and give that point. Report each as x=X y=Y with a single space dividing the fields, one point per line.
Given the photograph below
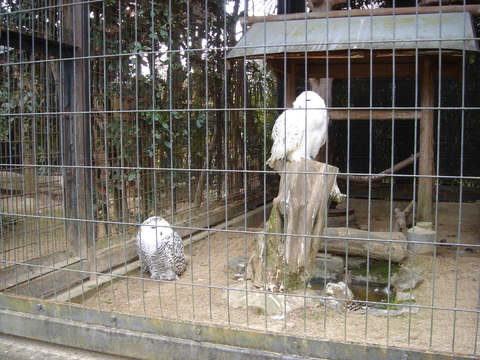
x=299 y=132
x=160 y=249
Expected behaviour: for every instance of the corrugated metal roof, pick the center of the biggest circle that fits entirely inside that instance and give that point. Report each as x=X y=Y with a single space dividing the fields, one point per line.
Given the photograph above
x=447 y=31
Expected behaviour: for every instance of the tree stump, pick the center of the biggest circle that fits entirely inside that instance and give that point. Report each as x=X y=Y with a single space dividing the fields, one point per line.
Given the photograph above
x=285 y=255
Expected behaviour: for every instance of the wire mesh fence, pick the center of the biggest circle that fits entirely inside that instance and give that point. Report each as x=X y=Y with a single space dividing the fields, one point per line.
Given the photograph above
x=115 y=112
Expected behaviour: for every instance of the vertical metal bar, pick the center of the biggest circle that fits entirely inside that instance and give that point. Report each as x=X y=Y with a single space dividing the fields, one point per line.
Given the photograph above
x=415 y=171
x=289 y=86
x=207 y=167
x=328 y=101
x=304 y=239
x=189 y=155
x=460 y=199
x=264 y=159
x=349 y=105
x=226 y=116
x=392 y=162
x=244 y=89
x=435 y=216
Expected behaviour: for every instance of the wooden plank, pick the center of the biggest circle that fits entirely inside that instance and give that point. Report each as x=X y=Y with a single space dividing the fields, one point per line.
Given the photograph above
x=51 y=281
x=12 y=181
x=17 y=274
x=473 y=9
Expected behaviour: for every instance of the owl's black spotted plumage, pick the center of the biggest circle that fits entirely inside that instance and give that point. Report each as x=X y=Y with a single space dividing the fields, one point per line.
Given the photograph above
x=160 y=249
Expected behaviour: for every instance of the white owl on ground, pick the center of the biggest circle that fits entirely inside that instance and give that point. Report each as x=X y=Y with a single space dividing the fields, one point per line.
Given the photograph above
x=299 y=132
x=160 y=249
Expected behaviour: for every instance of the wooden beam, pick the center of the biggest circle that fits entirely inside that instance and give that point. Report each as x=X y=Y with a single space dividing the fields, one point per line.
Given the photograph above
x=473 y=9
x=425 y=163
x=28 y=42
x=374 y=114
x=338 y=68
x=376 y=70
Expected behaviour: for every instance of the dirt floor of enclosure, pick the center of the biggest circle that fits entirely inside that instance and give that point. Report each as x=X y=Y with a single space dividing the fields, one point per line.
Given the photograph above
x=447 y=321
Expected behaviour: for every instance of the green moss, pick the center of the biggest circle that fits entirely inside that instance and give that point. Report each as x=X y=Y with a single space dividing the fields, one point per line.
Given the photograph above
x=383 y=268
x=274 y=225
x=275 y=222
x=387 y=307
x=293 y=280
x=378 y=270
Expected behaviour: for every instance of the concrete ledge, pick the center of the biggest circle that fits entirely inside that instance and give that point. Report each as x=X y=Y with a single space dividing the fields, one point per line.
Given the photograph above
x=19 y=348
x=151 y=338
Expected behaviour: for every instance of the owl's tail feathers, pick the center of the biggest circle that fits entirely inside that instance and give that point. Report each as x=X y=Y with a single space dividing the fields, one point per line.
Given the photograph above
x=276 y=162
x=271 y=162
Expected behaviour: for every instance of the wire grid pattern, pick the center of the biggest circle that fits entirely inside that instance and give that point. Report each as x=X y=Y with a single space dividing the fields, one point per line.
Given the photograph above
x=113 y=112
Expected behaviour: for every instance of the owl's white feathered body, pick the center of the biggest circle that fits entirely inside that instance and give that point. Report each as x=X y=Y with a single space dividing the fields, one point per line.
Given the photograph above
x=300 y=132
x=160 y=249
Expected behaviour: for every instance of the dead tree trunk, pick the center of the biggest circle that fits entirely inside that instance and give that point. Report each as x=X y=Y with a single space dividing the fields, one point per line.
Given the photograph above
x=285 y=256
x=375 y=245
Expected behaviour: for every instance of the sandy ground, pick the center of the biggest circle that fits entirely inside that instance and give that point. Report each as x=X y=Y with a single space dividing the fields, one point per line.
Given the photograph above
x=448 y=319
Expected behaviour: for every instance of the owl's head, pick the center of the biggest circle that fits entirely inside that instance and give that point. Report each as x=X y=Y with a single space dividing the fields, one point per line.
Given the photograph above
x=160 y=224
x=309 y=100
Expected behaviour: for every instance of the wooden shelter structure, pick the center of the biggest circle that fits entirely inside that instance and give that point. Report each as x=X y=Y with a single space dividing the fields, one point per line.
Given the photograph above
x=419 y=42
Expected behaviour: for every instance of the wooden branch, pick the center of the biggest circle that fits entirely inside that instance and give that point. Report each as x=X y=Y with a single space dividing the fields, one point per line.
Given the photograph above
x=402 y=216
x=473 y=9
x=366 y=178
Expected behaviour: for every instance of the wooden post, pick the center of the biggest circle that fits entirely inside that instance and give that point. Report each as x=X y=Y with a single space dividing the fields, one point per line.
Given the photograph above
x=425 y=164
x=323 y=87
x=285 y=256
x=291 y=82
x=76 y=149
